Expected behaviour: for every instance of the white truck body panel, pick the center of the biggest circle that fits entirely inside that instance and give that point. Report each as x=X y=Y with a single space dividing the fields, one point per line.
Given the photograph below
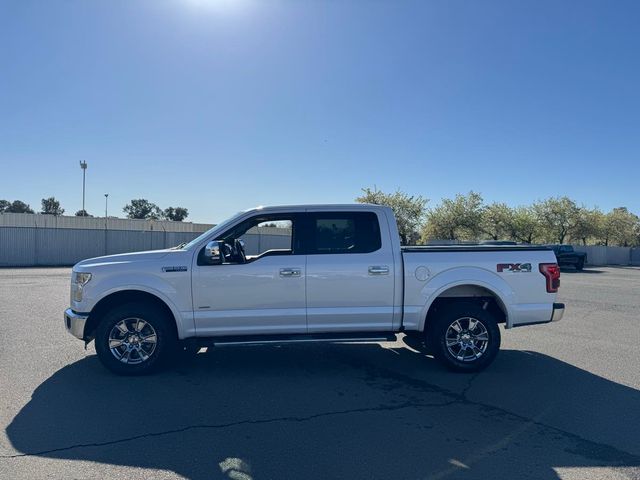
x=250 y=298
x=141 y=272
x=522 y=294
x=345 y=292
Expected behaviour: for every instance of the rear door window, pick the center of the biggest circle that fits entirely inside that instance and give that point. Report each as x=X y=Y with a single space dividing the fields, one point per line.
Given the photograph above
x=343 y=232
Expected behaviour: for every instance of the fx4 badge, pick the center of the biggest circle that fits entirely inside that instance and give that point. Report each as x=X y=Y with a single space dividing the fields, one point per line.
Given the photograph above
x=514 y=267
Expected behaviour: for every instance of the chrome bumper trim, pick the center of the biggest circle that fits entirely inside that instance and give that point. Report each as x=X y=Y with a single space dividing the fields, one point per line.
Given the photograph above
x=75 y=322
x=558 y=312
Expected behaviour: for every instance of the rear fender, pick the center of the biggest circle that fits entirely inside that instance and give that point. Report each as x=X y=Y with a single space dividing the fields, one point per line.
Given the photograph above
x=473 y=276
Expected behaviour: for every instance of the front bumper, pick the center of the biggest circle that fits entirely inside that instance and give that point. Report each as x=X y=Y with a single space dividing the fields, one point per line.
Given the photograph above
x=558 y=312
x=75 y=323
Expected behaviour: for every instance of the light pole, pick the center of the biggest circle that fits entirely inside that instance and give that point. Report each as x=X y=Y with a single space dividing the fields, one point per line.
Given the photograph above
x=106 y=238
x=83 y=166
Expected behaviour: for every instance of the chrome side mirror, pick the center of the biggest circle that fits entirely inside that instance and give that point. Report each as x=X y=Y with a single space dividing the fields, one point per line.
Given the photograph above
x=213 y=253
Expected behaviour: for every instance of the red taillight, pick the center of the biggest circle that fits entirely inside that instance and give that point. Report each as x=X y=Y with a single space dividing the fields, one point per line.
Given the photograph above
x=551 y=272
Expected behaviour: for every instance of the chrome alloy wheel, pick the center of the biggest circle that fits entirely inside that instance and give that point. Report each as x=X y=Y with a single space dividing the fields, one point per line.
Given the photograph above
x=132 y=340
x=467 y=339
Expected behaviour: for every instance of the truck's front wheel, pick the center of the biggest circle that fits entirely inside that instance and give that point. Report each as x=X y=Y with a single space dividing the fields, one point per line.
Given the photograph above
x=134 y=339
x=465 y=337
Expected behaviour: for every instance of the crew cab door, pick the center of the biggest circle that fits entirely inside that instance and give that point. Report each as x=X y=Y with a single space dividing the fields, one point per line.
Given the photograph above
x=350 y=272
x=264 y=294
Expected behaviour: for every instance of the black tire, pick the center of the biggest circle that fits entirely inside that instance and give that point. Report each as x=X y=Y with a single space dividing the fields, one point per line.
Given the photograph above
x=443 y=327
x=158 y=325
x=580 y=265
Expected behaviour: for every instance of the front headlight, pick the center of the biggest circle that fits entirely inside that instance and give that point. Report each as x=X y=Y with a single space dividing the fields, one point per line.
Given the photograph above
x=81 y=278
x=78 y=281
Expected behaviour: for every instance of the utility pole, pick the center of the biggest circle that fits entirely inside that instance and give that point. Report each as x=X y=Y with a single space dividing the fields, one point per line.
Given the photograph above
x=106 y=200
x=83 y=166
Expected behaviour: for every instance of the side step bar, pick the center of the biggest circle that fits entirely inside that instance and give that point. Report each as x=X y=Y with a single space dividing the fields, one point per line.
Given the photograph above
x=249 y=340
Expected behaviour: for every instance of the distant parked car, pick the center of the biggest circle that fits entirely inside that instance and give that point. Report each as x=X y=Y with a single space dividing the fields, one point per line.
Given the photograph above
x=566 y=255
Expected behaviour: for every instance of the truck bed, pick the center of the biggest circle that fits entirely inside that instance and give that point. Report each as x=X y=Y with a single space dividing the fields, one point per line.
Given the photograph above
x=510 y=273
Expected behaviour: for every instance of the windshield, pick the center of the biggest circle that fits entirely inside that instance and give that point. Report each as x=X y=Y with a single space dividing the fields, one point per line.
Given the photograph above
x=218 y=227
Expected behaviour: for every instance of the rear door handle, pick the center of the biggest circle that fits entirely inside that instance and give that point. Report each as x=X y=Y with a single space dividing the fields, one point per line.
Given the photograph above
x=290 y=272
x=378 y=270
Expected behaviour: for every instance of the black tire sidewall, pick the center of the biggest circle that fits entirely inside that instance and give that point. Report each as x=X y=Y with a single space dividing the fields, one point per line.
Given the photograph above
x=166 y=338
x=449 y=314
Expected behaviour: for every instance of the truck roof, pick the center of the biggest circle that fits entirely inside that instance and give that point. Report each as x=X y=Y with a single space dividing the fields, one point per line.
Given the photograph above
x=319 y=206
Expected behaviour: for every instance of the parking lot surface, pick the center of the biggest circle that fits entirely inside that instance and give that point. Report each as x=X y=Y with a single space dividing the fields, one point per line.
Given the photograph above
x=561 y=401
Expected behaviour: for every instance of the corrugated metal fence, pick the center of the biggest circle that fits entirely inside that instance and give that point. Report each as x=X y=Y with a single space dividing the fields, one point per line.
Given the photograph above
x=28 y=247
x=97 y=223
x=65 y=246
x=601 y=255
x=28 y=240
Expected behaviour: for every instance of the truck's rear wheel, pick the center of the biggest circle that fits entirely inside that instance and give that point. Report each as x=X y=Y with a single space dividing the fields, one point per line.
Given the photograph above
x=465 y=337
x=134 y=339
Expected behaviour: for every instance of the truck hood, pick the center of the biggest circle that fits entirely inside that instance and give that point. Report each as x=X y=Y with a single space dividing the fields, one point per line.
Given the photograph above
x=122 y=258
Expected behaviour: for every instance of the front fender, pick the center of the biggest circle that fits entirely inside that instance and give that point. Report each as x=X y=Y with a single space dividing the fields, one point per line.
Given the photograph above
x=165 y=290
x=474 y=276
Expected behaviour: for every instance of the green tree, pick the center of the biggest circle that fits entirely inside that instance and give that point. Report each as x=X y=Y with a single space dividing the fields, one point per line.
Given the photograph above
x=496 y=221
x=409 y=211
x=524 y=226
x=4 y=205
x=620 y=227
x=588 y=225
x=455 y=219
x=558 y=217
x=18 y=206
x=142 y=209
x=82 y=213
x=51 y=206
x=177 y=214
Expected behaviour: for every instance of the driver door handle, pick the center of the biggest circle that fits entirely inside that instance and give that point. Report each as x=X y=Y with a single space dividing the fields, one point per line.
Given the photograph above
x=290 y=272
x=378 y=270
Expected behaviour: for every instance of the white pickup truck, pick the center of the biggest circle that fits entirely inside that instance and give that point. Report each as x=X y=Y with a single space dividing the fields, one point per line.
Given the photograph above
x=336 y=273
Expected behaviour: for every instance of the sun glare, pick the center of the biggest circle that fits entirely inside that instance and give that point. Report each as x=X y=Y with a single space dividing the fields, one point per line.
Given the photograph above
x=219 y=5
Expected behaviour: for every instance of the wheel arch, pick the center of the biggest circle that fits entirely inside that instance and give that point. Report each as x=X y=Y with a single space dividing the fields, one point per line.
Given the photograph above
x=120 y=297
x=474 y=291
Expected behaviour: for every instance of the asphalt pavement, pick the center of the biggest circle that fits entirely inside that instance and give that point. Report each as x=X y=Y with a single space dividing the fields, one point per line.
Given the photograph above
x=561 y=401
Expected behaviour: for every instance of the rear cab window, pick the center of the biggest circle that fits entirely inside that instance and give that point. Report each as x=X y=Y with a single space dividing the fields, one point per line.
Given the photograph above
x=342 y=233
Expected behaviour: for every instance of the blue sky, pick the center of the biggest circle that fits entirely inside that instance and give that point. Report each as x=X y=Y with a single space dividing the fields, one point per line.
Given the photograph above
x=221 y=105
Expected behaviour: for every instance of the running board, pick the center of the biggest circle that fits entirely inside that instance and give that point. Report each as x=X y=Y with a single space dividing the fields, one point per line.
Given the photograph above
x=249 y=340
